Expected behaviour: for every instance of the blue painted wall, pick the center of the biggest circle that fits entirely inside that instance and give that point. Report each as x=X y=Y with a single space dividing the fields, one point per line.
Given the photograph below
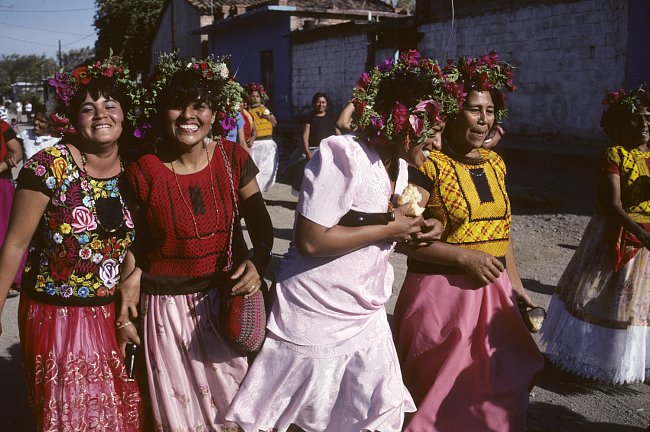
x=244 y=38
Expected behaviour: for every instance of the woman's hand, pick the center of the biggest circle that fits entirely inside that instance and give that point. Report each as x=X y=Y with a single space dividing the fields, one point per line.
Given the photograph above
x=404 y=227
x=431 y=229
x=126 y=332
x=129 y=289
x=248 y=280
x=481 y=266
x=10 y=159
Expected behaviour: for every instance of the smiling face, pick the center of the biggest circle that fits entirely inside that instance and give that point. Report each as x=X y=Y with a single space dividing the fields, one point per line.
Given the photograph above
x=418 y=154
x=100 y=121
x=468 y=130
x=41 y=125
x=637 y=132
x=190 y=124
x=256 y=99
x=320 y=105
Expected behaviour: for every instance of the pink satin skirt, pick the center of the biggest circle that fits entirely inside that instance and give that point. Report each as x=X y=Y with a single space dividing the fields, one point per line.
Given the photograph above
x=467 y=358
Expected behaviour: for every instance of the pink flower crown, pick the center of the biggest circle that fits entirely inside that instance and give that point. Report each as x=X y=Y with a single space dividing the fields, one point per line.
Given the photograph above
x=67 y=84
x=409 y=125
x=251 y=87
x=228 y=91
x=482 y=73
x=628 y=99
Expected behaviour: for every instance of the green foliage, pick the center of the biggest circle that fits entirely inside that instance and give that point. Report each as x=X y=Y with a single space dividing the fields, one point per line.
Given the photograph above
x=74 y=58
x=30 y=68
x=128 y=28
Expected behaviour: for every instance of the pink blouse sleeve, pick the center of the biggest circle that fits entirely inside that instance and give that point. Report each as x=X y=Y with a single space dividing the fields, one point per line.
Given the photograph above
x=330 y=182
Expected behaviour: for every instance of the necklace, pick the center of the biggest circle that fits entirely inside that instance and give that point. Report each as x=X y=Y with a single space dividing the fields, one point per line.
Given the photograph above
x=84 y=162
x=476 y=172
x=214 y=197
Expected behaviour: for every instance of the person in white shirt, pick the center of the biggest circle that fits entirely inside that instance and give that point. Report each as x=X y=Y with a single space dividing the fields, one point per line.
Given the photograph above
x=38 y=138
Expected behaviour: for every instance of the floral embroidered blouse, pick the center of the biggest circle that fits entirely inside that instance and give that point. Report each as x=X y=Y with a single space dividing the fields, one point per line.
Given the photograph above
x=83 y=236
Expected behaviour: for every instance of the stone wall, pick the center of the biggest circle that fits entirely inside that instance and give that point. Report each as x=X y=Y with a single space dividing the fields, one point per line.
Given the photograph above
x=568 y=54
x=331 y=66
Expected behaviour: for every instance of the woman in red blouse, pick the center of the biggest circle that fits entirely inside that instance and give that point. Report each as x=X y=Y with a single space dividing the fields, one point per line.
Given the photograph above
x=191 y=194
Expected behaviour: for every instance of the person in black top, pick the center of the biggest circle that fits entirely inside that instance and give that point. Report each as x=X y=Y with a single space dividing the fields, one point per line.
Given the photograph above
x=317 y=125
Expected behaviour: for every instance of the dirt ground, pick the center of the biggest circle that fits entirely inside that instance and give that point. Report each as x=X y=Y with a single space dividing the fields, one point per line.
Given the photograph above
x=552 y=199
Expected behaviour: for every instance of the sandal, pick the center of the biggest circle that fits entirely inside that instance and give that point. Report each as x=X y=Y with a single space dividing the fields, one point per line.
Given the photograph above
x=533 y=316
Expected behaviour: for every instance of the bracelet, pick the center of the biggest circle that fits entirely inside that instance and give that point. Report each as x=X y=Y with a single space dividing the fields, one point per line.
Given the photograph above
x=121 y=326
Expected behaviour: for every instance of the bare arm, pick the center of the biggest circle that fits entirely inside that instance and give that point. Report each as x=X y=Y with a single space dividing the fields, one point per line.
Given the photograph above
x=306 y=128
x=129 y=292
x=14 y=155
x=515 y=280
x=313 y=239
x=241 y=138
x=251 y=140
x=27 y=210
x=344 y=122
x=614 y=206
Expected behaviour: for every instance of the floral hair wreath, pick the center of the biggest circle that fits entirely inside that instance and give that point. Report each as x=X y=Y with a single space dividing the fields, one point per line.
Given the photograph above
x=215 y=70
x=251 y=87
x=483 y=73
x=67 y=84
x=628 y=99
x=409 y=125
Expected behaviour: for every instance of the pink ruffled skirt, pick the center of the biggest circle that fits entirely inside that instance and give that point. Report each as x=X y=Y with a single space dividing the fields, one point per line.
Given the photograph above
x=467 y=357
x=74 y=369
x=193 y=372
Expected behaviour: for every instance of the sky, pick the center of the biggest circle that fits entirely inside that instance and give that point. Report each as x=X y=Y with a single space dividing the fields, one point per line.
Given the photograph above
x=36 y=26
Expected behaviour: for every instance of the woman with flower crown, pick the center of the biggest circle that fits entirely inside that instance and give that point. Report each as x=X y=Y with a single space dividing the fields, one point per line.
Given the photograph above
x=598 y=323
x=329 y=363
x=264 y=150
x=191 y=194
x=69 y=199
x=467 y=357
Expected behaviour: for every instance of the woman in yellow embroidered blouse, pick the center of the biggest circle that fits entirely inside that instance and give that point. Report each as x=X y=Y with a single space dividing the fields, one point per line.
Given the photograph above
x=264 y=150
x=467 y=357
x=599 y=319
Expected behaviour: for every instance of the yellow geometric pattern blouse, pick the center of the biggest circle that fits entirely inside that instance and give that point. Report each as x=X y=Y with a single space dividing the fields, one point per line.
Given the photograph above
x=470 y=200
x=633 y=167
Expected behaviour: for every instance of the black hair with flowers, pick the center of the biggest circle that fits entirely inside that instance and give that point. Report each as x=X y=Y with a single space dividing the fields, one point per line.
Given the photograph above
x=402 y=101
x=622 y=106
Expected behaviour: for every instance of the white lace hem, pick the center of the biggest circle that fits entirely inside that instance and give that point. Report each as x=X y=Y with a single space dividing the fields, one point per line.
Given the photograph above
x=614 y=356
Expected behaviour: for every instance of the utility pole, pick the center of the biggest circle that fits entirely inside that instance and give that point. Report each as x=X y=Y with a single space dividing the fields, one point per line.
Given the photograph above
x=60 y=56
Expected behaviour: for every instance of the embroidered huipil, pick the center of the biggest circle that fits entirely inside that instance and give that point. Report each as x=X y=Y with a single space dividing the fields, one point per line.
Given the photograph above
x=82 y=237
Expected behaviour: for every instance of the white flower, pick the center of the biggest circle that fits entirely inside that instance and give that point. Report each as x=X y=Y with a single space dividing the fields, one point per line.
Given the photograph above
x=57 y=237
x=223 y=70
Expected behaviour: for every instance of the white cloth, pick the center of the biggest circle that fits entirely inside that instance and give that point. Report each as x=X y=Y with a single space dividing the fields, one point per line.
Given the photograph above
x=266 y=158
x=329 y=363
x=32 y=144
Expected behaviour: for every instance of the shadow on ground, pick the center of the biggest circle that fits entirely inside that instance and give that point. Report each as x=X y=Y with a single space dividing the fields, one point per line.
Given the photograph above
x=546 y=417
x=15 y=414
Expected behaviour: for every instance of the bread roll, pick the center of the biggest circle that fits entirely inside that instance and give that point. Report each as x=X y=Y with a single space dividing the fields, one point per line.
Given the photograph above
x=410 y=195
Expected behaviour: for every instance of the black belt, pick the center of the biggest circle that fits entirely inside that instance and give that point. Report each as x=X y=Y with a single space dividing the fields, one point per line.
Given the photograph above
x=173 y=285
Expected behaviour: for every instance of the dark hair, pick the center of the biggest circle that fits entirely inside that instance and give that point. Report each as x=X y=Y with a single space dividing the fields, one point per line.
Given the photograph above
x=617 y=117
x=407 y=88
x=184 y=88
x=317 y=96
x=96 y=88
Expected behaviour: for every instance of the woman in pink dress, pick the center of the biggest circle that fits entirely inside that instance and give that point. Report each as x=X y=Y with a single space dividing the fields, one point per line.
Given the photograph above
x=329 y=363
x=466 y=354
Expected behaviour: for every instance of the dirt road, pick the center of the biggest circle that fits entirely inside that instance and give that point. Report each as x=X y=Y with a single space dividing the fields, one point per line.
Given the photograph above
x=552 y=200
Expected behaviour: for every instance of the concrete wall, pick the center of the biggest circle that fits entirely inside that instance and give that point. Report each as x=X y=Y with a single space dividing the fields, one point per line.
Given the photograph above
x=332 y=66
x=244 y=39
x=568 y=56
